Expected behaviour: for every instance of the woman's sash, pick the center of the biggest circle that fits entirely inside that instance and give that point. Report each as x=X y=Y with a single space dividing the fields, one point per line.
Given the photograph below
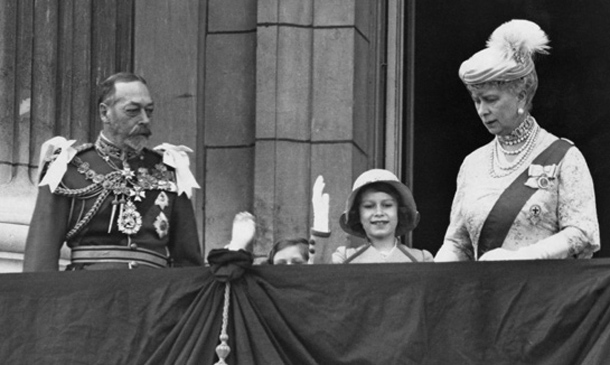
x=507 y=207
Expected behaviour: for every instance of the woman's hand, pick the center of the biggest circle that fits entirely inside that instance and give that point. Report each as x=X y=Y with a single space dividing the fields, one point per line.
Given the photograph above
x=242 y=234
x=321 y=206
x=502 y=254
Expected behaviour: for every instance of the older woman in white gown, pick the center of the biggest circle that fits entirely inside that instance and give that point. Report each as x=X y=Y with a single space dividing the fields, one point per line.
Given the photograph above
x=526 y=194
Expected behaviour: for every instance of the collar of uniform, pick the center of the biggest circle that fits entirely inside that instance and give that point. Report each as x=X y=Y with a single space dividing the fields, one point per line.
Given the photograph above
x=106 y=148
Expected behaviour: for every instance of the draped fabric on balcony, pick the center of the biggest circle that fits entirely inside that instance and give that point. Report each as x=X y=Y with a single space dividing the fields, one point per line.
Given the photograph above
x=552 y=312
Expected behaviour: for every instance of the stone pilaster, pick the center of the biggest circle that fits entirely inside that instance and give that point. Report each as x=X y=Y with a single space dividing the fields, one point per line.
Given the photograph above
x=228 y=121
x=313 y=114
x=47 y=63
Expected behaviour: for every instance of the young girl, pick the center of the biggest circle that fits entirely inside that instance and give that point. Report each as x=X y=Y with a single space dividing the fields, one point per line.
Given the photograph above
x=380 y=208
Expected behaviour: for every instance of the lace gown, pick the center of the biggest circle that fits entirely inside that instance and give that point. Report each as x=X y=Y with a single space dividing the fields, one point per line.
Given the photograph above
x=562 y=214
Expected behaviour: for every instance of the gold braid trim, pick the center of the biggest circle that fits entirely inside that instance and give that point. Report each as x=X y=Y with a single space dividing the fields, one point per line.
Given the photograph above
x=103 y=185
x=92 y=189
x=88 y=191
x=96 y=206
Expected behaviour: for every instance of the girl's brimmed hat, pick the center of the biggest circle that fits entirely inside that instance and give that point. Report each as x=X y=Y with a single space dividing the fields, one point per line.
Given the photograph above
x=509 y=54
x=408 y=216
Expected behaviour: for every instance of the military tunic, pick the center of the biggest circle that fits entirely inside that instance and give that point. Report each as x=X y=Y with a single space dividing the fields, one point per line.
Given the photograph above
x=107 y=198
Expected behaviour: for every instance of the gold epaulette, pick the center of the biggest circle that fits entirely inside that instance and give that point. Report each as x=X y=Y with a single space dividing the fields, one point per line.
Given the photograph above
x=84 y=147
x=47 y=161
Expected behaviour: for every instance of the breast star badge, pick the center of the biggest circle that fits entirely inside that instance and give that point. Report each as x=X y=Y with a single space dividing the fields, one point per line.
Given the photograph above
x=161 y=225
x=162 y=200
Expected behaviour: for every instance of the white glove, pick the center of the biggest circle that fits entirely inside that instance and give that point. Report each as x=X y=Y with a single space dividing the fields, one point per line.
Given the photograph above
x=244 y=229
x=321 y=206
x=501 y=254
x=554 y=247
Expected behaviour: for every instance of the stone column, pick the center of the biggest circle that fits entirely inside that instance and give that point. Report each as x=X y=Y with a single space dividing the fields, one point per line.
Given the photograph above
x=228 y=118
x=17 y=192
x=52 y=52
x=316 y=106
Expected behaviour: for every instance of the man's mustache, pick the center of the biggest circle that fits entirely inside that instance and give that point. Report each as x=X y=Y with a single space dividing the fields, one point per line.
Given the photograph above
x=141 y=130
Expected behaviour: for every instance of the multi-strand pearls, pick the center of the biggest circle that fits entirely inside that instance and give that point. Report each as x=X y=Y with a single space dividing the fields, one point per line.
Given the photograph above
x=530 y=131
x=515 y=152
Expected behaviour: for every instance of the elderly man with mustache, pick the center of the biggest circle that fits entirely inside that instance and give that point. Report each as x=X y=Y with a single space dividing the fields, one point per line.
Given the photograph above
x=115 y=203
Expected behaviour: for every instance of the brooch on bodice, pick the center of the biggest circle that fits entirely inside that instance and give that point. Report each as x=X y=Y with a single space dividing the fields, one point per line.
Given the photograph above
x=541 y=177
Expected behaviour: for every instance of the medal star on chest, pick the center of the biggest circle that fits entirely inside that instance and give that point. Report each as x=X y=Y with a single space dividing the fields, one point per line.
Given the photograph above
x=129 y=186
x=161 y=225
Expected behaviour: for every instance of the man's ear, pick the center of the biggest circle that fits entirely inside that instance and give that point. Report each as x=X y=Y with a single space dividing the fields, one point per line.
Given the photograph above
x=103 y=110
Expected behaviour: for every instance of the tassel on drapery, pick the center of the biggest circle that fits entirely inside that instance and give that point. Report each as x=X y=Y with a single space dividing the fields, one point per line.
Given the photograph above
x=223 y=349
x=226 y=266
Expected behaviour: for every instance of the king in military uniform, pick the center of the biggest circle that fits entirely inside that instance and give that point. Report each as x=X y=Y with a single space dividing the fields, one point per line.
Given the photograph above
x=115 y=203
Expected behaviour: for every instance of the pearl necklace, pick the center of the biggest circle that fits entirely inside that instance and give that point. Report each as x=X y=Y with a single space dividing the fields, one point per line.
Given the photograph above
x=525 y=152
x=507 y=152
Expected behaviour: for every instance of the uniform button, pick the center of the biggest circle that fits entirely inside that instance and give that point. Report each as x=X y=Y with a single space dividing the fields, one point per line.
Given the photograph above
x=133 y=265
x=133 y=246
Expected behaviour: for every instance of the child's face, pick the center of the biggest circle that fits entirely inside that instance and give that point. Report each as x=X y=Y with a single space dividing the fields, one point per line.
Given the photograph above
x=378 y=214
x=290 y=255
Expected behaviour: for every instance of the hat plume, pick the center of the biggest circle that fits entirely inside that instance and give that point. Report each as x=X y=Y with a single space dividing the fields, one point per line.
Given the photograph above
x=519 y=39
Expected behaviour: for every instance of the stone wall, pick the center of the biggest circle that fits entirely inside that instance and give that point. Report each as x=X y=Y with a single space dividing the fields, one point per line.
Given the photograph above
x=51 y=53
x=315 y=114
x=269 y=94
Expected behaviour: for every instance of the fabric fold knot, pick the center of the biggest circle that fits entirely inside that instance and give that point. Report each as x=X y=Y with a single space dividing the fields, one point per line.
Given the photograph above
x=176 y=157
x=59 y=166
x=228 y=265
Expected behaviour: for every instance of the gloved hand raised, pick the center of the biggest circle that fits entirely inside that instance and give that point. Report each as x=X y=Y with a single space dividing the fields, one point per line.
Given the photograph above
x=242 y=234
x=321 y=207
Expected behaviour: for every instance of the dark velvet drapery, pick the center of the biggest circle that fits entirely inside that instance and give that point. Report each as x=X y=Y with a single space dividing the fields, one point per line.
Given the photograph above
x=542 y=312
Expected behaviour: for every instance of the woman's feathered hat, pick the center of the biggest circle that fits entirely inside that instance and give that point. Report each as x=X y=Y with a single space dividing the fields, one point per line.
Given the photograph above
x=509 y=53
